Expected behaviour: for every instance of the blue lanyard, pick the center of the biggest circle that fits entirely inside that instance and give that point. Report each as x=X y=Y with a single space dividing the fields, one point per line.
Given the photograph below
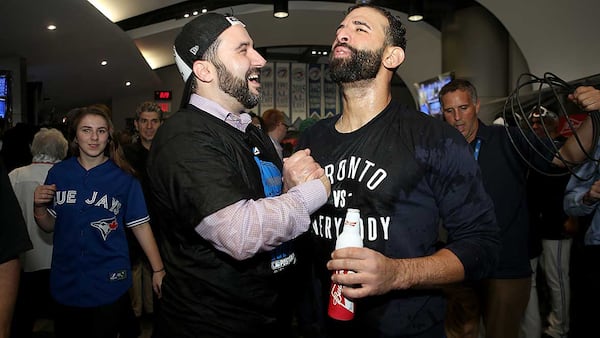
x=477 y=149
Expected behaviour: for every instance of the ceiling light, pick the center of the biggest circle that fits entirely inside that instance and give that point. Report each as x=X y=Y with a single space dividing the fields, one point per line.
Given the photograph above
x=51 y=27
x=415 y=10
x=280 y=9
x=103 y=63
x=128 y=83
x=194 y=13
x=204 y=10
x=186 y=15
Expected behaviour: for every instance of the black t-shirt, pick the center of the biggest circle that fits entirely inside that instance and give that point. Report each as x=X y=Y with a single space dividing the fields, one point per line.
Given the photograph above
x=198 y=164
x=14 y=238
x=407 y=173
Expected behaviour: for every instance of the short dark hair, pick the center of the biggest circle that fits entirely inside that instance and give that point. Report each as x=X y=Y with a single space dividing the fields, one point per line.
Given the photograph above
x=395 y=33
x=148 y=106
x=459 y=84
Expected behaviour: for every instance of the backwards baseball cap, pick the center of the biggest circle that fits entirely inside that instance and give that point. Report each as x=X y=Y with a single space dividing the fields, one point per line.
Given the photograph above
x=197 y=36
x=542 y=112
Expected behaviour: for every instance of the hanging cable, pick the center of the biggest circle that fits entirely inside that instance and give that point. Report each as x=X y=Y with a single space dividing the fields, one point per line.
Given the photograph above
x=513 y=109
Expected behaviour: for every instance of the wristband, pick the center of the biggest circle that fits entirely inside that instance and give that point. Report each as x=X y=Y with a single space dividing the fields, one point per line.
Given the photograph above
x=157 y=271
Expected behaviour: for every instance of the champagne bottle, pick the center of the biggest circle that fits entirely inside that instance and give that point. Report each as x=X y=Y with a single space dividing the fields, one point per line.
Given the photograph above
x=340 y=307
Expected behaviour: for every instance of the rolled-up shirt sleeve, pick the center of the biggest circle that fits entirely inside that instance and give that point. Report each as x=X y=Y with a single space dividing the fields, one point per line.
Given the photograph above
x=578 y=186
x=250 y=226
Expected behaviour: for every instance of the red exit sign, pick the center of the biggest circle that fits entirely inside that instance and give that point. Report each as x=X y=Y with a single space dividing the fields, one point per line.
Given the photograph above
x=163 y=95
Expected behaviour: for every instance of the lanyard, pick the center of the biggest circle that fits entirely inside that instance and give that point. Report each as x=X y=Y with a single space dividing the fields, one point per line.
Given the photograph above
x=477 y=149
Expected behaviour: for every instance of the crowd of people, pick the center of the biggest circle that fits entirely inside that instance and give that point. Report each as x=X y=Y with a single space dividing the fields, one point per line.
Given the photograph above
x=211 y=226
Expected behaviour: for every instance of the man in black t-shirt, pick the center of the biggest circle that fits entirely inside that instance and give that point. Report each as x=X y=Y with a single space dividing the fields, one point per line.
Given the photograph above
x=14 y=240
x=407 y=173
x=228 y=210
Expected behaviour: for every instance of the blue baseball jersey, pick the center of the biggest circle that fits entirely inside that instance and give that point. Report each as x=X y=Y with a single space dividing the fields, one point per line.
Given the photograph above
x=90 y=262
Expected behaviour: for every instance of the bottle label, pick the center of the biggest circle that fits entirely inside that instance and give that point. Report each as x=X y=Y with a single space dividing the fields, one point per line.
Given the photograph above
x=340 y=307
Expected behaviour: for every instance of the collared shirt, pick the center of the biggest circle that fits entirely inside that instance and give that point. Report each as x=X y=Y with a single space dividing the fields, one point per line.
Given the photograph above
x=249 y=226
x=573 y=204
x=277 y=146
x=237 y=120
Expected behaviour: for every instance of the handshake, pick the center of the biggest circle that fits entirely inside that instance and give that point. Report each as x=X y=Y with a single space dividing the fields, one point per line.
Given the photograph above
x=300 y=168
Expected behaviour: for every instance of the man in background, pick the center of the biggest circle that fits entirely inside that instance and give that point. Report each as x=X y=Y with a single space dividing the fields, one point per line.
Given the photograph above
x=582 y=199
x=276 y=126
x=14 y=240
x=504 y=161
x=148 y=118
x=550 y=227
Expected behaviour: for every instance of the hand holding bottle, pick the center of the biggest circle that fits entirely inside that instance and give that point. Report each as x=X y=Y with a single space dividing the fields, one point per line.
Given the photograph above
x=340 y=307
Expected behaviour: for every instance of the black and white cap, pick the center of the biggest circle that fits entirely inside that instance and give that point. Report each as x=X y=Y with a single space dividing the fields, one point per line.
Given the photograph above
x=197 y=36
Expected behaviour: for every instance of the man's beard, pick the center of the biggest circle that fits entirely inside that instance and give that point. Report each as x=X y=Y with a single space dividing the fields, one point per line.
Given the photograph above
x=236 y=87
x=362 y=65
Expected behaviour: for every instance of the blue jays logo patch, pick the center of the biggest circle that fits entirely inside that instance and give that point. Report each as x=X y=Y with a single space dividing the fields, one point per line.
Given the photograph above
x=106 y=226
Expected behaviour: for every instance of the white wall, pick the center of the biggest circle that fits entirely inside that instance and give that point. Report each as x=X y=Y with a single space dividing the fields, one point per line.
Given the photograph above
x=555 y=36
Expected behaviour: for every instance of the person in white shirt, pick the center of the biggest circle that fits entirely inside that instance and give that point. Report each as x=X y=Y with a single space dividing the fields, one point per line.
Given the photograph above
x=48 y=147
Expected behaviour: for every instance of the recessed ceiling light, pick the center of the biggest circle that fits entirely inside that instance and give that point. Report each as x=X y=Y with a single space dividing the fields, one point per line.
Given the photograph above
x=325 y=53
x=51 y=27
x=204 y=10
x=186 y=15
x=194 y=13
x=103 y=63
x=415 y=17
x=128 y=83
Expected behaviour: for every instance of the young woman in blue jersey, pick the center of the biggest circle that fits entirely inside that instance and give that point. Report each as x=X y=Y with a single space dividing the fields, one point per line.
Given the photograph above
x=87 y=201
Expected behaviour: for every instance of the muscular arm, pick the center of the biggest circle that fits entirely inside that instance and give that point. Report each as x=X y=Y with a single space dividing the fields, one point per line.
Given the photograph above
x=588 y=98
x=572 y=151
x=378 y=274
x=9 y=283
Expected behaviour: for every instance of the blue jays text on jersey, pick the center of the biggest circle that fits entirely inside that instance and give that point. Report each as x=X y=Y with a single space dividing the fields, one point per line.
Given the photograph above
x=70 y=197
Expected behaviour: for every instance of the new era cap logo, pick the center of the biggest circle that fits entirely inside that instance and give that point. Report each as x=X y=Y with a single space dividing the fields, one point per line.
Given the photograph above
x=194 y=50
x=234 y=21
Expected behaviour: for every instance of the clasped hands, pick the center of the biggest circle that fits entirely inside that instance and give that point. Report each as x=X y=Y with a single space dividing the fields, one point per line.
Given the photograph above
x=300 y=168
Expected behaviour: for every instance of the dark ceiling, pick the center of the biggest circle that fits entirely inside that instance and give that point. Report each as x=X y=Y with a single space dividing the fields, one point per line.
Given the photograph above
x=434 y=10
